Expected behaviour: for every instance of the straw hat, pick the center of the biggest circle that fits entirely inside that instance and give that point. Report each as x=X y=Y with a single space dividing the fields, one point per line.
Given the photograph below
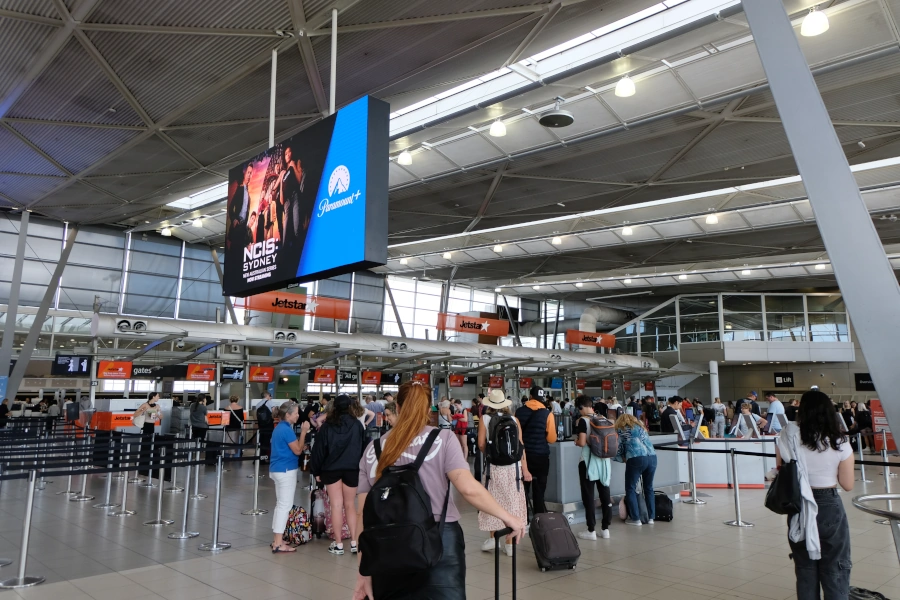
x=496 y=399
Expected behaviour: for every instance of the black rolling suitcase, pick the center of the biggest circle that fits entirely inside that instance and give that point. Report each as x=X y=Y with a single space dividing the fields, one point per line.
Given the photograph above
x=497 y=536
x=664 y=508
x=555 y=546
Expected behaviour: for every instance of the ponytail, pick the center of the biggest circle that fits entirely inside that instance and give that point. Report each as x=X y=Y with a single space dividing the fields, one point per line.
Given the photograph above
x=412 y=416
x=284 y=410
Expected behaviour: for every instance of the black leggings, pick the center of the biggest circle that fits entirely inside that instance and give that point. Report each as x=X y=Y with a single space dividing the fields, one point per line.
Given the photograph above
x=446 y=581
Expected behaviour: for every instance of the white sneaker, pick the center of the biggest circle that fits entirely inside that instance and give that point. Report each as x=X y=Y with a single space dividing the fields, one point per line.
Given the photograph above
x=635 y=523
x=605 y=534
x=509 y=550
x=488 y=545
x=650 y=522
x=587 y=535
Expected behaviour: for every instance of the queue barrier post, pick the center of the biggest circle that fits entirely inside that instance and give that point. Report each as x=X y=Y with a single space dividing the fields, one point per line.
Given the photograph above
x=137 y=475
x=174 y=488
x=4 y=562
x=884 y=445
x=215 y=545
x=693 y=476
x=197 y=495
x=83 y=496
x=738 y=522
x=68 y=491
x=109 y=463
x=887 y=477
x=258 y=458
x=149 y=482
x=22 y=580
x=255 y=511
x=124 y=512
x=42 y=448
x=862 y=467
x=184 y=534
x=159 y=496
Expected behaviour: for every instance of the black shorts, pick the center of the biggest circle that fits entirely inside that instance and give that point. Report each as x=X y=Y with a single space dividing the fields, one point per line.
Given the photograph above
x=349 y=477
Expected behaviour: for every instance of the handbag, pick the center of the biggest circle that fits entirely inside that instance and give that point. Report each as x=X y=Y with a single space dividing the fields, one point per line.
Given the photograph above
x=784 y=497
x=138 y=420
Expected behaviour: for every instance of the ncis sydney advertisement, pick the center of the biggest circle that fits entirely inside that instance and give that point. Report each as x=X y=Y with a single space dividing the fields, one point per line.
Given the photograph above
x=312 y=206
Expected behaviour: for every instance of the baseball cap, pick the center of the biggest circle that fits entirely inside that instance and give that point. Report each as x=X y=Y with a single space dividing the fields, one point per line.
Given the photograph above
x=342 y=402
x=537 y=391
x=752 y=393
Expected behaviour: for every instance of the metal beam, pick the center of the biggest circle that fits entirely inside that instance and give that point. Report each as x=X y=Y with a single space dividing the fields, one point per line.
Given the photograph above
x=862 y=270
x=512 y=325
x=837 y=123
x=18 y=16
x=15 y=379
x=333 y=357
x=492 y=189
x=195 y=353
x=309 y=350
x=535 y=31
x=414 y=357
x=156 y=344
x=75 y=124
x=513 y=175
x=323 y=17
x=228 y=304
x=249 y=121
x=9 y=329
x=304 y=45
x=387 y=288
x=167 y=29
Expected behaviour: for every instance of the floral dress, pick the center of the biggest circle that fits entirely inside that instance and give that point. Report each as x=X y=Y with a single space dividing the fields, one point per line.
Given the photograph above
x=502 y=486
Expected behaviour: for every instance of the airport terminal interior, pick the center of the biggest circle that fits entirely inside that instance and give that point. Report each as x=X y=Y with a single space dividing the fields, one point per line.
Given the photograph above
x=226 y=226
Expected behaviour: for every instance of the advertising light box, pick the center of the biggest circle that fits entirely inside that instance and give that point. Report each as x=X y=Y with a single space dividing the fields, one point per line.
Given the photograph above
x=311 y=207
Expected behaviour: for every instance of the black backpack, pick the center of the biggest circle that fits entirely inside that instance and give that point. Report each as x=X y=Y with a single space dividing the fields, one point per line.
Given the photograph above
x=401 y=536
x=503 y=445
x=263 y=416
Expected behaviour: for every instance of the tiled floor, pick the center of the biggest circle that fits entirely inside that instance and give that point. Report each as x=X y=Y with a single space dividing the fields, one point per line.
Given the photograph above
x=86 y=554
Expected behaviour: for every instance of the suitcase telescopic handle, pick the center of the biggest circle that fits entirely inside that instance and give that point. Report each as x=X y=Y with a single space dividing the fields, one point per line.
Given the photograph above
x=503 y=533
x=497 y=535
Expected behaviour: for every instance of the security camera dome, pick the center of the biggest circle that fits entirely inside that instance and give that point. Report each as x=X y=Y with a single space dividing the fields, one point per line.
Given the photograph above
x=556 y=117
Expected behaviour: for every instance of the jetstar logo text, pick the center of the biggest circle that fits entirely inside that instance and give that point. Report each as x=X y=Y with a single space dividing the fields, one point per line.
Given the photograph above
x=481 y=325
x=589 y=338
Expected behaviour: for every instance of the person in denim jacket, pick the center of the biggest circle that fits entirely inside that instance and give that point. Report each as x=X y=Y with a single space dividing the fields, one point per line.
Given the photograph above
x=636 y=451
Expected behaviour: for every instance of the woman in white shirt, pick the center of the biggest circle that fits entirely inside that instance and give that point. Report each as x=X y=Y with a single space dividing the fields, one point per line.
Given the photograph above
x=828 y=460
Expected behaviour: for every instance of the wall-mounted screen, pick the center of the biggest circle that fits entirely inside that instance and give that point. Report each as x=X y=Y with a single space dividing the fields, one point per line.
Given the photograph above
x=312 y=206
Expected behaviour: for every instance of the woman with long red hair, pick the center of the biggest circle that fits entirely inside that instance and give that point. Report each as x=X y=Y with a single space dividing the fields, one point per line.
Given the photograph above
x=442 y=465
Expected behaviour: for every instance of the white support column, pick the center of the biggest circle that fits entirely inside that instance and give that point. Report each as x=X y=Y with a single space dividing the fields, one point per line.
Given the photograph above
x=9 y=329
x=866 y=279
x=333 y=79
x=713 y=380
x=272 y=87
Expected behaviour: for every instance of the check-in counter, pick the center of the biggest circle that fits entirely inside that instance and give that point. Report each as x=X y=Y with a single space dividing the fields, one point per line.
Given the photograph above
x=563 y=490
x=115 y=414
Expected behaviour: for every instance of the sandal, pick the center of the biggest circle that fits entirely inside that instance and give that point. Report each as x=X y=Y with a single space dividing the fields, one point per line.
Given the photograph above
x=282 y=549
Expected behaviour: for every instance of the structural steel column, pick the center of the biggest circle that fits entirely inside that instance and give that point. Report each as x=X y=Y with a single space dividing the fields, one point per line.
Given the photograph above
x=713 y=381
x=31 y=340
x=867 y=282
x=9 y=330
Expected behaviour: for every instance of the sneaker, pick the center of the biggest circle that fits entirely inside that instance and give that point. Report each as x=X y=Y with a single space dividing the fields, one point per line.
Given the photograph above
x=605 y=534
x=509 y=550
x=650 y=522
x=488 y=545
x=588 y=535
x=636 y=523
x=335 y=549
x=353 y=548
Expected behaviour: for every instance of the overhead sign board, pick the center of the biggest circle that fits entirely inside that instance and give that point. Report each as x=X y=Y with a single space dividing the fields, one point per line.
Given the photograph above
x=606 y=384
x=525 y=383
x=423 y=377
x=649 y=385
x=232 y=374
x=325 y=376
x=496 y=382
x=371 y=377
x=298 y=304
x=159 y=372
x=590 y=338
x=456 y=380
x=262 y=374
x=580 y=384
x=288 y=206
x=479 y=325
x=71 y=365
x=784 y=380
x=113 y=369
x=864 y=382
x=626 y=386
x=201 y=372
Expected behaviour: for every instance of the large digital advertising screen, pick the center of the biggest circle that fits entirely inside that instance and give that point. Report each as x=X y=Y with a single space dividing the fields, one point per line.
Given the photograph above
x=312 y=206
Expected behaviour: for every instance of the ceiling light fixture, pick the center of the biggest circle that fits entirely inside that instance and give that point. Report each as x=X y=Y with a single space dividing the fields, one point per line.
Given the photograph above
x=166 y=232
x=815 y=23
x=557 y=117
x=404 y=158
x=448 y=255
x=535 y=287
x=197 y=223
x=712 y=219
x=404 y=261
x=498 y=248
x=579 y=284
x=556 y=241
x=498 y=129
x=746 y=272
x=627 y=281
x=820 y=267
x=498 y=290
x=625 y=87
x=627 y=230
x=683 y=276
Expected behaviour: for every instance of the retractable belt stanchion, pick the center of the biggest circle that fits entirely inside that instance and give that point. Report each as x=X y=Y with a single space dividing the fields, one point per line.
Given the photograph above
x=887 y=476
x=215 y=545
x=737 y=496
x=68 y=490
x=256 y=474
x=884 y=445
x=149 y=483
x=693 y=475
x=159 y=496
x=255 y=511
x=862 y=467
x=137 y=475
x=43 y=449
x=184 y=534
x=124 y=512
x=174 y=488
x=109 y=463
x=22 y=580
x=197 y=495
x=82 y=496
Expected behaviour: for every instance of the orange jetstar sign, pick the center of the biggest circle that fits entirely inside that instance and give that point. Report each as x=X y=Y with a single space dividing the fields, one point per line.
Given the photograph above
x=201 y=372
x=299 y=304
x=371 y=377
x=496 y=382
x=110 y=369
x=325 y=376
x=262 y=374
x=457 y=380
x=478 y=325
x=590 y=338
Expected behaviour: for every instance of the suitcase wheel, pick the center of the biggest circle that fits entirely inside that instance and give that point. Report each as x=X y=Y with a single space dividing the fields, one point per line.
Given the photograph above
x=572 y=568
x=543 y=570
